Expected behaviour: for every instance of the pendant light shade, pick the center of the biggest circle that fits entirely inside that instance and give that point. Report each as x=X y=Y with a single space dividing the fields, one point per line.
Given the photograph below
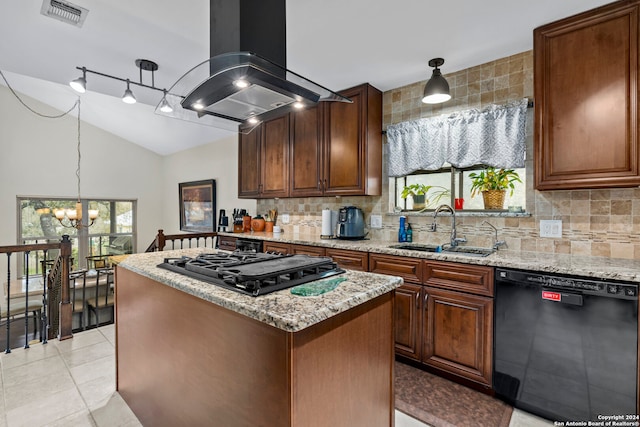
x=436 y=90
x=80 y=84
x=128 y=97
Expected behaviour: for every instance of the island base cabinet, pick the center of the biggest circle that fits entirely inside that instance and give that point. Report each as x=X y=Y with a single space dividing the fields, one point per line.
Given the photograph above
x=181 y=360
x=457 y=327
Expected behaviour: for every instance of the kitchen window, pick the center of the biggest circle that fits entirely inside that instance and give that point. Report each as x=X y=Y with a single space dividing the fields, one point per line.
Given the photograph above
x=113 y=232
x=457 y=184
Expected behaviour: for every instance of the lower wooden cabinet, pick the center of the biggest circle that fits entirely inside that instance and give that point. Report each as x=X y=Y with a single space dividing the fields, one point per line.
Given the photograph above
x=227 y=243
x=443 y=315
x=351 y=260
x=407 y=321
x=457 y=328
x=307 y=250
x=277 y=247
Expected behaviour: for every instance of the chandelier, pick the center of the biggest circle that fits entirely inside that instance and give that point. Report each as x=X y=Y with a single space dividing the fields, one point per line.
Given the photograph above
x=72 y=218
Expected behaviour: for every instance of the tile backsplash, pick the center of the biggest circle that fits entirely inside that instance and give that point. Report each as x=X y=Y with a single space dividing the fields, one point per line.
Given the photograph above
x=603 y=222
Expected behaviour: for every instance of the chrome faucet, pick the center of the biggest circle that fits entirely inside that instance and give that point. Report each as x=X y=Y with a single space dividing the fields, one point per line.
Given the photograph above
x=496 y=243
x=454 y=238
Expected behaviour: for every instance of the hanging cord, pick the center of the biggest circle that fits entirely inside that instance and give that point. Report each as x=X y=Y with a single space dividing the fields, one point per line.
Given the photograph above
x=78 y=169
x=34 y=111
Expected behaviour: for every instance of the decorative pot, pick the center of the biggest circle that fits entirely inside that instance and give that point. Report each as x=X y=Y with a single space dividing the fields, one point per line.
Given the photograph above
x=268 y=226
x=493 y=199
x=257 y=224
x=418 y=201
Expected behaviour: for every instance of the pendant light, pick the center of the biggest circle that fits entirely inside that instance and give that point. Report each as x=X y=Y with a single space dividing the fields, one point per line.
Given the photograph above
x=436 y=90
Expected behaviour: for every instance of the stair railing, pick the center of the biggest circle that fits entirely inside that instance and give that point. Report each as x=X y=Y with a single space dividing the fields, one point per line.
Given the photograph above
x=54 y=282
x=181 y=241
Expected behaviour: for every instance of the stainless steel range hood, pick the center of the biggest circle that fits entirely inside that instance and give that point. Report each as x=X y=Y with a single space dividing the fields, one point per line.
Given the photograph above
x=244 y=87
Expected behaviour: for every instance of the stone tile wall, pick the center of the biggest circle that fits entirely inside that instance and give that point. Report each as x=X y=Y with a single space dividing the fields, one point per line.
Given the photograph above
x=595 y=222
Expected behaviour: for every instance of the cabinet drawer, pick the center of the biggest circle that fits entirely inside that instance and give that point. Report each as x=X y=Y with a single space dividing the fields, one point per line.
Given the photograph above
x=410 y=269
x=463 y=277
x=227 y=243
x=281 y=248
x=351 y=260
x=307 y=250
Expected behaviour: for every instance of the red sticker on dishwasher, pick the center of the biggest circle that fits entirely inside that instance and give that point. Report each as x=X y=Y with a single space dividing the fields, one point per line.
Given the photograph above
x=553 y=296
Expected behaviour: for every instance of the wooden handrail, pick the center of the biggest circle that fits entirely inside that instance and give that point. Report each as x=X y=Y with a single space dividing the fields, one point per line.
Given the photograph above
x=161 y=239
x=64 y=327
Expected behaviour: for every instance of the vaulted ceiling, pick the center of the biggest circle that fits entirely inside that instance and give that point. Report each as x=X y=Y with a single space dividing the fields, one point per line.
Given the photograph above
x=337 y=44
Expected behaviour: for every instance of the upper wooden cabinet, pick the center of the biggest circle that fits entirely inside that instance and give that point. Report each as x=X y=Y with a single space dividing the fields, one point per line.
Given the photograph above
x=333 y=149
x=353 y=144
x=586 y=99
x=306 y=153
x=249 y=163
x=263 y=160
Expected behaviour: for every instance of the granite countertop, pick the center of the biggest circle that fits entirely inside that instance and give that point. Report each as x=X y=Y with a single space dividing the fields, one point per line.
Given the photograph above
x=598 y=267
x=281 y=309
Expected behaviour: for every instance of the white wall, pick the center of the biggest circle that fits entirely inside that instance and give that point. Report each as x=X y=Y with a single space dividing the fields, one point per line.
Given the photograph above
x=38 y=158
x=217 y=160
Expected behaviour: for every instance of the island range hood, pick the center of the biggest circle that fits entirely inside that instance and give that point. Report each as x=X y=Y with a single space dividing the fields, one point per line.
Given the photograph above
x=245 y=82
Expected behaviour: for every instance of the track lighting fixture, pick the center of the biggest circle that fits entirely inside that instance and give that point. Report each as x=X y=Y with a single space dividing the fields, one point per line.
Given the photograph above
x=436 y=90
x=80 y=84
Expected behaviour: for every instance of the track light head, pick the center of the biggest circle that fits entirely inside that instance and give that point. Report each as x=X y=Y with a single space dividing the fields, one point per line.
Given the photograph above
x=80 y=84
x=128 y=97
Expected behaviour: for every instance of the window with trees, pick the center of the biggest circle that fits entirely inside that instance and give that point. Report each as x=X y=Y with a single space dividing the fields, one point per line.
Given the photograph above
x=113 y=232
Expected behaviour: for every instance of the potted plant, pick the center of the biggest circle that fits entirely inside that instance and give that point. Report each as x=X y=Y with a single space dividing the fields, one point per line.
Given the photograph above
x=493 y=184
x=418 y=193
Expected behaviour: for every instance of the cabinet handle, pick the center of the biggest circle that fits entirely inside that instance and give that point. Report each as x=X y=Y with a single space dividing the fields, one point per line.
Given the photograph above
x=417 y=300
x=319 y=184
x=325 y=184
x=426 y=296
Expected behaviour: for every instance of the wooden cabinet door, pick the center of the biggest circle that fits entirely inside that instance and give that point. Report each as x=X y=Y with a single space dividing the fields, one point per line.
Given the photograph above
x=407 y=317
x=306 y=153
x=344 y=144
x=249 y=164
x=351 y=260
x=586 y=100
x=281 y=248
x=274 y=169
x=458 y=333
x=307 y=250
x=353 y=143
x=227 y=243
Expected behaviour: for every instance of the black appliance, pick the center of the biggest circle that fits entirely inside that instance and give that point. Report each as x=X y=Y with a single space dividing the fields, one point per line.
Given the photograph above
x=350 y=223
x=247 y=245
x=565 y=347
x=253 y=273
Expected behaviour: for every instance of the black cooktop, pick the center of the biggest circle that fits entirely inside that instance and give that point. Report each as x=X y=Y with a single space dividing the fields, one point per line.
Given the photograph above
x=253 y=273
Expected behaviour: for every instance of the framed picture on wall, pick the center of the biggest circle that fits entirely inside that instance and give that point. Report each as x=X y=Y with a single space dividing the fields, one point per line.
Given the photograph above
x=198 y=205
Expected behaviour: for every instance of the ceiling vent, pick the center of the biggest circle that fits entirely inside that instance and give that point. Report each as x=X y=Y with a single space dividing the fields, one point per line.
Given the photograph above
x=64 y=11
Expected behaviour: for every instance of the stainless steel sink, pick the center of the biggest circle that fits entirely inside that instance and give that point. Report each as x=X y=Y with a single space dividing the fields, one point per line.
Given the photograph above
x=469 y=251
x=417 y=247
x=460 y=250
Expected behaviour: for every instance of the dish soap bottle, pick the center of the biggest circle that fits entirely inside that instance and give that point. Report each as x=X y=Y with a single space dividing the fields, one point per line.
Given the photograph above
x=402 y=233
x=409 y=233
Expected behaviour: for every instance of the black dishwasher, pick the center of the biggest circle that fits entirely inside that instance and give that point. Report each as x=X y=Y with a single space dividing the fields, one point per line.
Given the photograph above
x=566 y=347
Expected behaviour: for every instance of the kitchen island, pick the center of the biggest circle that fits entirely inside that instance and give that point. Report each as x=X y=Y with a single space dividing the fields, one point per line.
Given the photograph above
x=192 y=353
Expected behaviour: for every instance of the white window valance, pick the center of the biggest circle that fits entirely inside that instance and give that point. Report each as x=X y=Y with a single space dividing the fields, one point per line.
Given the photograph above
x=493 y=136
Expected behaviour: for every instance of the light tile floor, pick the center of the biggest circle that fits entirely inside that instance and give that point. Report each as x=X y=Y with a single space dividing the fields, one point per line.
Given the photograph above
x=72 y=384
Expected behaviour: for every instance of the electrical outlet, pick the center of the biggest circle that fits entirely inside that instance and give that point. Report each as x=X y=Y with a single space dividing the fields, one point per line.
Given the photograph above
x=550 y=228
x=284 y=218
x=376 y=221
x=296 y=229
